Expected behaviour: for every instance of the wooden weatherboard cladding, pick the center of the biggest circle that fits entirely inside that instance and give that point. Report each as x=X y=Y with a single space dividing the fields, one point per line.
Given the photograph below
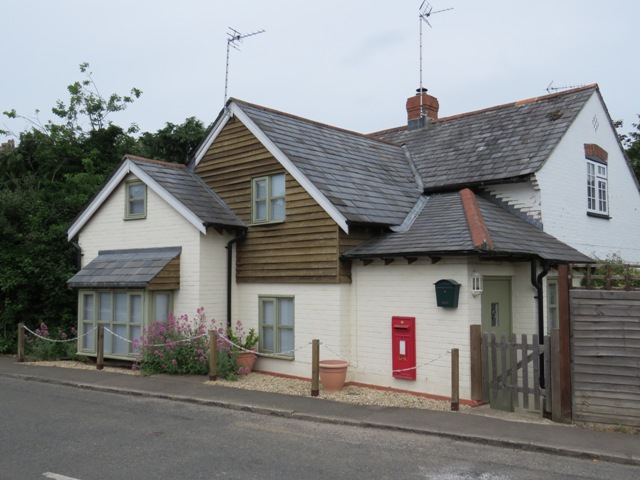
x=302 y=248
x=168 y=278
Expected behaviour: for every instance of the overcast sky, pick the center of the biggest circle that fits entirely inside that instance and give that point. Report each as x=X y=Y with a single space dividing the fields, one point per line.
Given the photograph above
x=348 y=63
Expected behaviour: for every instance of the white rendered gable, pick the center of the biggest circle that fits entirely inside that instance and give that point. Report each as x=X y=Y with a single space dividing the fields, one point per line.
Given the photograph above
x=126 y=168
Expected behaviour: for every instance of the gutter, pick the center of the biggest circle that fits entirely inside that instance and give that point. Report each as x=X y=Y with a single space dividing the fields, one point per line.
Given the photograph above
x=229 y=248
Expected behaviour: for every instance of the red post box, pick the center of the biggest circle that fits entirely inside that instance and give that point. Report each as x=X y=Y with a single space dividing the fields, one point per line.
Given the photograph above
x=403 y=349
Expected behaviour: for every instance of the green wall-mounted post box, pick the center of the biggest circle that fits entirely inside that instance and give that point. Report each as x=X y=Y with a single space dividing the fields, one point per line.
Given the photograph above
x=447 y=293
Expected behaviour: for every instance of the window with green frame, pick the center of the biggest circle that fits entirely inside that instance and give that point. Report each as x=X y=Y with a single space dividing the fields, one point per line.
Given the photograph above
x=268 y=199
x=136 y=202
x=123 y=313
x=277 y=325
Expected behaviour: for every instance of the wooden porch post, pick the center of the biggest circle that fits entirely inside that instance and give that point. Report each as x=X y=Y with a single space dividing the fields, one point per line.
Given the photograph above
x=564 y=347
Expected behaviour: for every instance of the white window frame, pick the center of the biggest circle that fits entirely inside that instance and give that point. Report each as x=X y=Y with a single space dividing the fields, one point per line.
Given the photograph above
x=129 y=201
x=268 y=199
x=277 y=326
x=597 y=188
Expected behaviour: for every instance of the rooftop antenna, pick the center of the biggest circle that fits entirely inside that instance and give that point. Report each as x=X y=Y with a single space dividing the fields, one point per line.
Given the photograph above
x=235 y=37
x=551 y=89
x=426 y=10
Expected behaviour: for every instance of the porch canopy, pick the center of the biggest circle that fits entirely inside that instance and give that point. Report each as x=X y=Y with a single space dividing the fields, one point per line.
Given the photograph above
x=149 y=268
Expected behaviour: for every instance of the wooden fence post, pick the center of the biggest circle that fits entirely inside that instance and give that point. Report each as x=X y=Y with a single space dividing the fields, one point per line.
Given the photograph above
x=455 y=380
x=476 y=362
x=564 y=358
x=21 y=342
x=213 y=355
x=100 y=359
x=315 y=368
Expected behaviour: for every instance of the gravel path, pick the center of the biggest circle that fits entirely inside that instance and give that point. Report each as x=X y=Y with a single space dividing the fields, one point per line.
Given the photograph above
x=289 y=386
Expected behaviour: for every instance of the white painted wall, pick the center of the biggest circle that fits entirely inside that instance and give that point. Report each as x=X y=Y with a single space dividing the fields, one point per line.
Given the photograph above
x=203 y=258
x=319 y=314
x=563 y=183
x=353 y=322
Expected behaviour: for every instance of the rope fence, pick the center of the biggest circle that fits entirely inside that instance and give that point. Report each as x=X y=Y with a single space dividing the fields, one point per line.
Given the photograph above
x=213 y=345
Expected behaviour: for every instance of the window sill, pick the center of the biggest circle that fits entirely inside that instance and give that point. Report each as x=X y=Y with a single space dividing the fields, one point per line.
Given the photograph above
x=599 y=215
x=275 y=356
x=273 y=222
x=139 y=217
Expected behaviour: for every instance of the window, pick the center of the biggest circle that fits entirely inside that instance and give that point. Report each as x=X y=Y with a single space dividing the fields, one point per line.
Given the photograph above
x=276 y=325
x=136 y=204
x=552 y=305
x=597 y=188
x=123 y=313
x=268 y=202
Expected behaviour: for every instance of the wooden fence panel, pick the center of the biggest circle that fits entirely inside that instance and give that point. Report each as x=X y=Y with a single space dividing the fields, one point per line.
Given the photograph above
x=605 y=349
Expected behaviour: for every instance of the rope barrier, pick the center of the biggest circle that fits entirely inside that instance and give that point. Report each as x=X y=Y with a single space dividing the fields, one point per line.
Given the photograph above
x=357 y=367
x=240 y=348
x=48 y=339
x=260 y=354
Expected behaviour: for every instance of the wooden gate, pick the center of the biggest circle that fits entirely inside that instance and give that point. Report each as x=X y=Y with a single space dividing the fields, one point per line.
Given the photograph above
x=511 y=370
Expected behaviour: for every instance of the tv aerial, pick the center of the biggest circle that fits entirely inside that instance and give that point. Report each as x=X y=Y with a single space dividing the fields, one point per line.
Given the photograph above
x=234 y=39
x=426 y=10
x=552 y=89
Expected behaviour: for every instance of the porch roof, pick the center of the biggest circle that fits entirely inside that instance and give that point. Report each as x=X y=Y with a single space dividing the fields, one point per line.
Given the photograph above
x=126 y=268
x=447 y=225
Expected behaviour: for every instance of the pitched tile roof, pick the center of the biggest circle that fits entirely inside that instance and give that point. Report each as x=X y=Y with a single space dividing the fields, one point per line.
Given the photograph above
x=491 y=145
x=368 y=180
x=133 y=268
x=444 y=228
x=190 y=190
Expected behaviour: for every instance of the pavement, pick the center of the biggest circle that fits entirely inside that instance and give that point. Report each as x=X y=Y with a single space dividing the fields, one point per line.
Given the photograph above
x=478 y=425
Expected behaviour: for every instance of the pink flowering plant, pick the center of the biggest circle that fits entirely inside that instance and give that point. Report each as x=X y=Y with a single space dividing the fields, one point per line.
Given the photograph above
x=180 y=346
x=47 y=345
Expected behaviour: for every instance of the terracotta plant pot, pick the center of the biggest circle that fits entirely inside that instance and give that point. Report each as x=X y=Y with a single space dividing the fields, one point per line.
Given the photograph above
x=333 y=374
x=245 y=361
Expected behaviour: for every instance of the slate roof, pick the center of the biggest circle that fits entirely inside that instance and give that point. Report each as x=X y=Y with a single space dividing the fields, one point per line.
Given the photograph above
x=190 y=190
x=124 y=268
x=493 y=145
x=441 y=228
x=366 y=179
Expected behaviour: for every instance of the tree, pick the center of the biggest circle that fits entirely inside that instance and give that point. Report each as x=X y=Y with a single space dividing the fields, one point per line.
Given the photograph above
x=173 y=143
x=44 y=183
x=631 y=143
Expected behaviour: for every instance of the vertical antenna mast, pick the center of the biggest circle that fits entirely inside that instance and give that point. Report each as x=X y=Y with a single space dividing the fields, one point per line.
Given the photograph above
x=235 y=37
x=425 y=11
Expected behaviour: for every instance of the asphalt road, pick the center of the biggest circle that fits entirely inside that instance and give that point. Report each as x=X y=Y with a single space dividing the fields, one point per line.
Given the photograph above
x=50 y=431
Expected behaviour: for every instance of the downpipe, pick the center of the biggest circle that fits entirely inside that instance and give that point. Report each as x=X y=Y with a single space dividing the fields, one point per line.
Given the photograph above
x=536 y=281
x=229 y=248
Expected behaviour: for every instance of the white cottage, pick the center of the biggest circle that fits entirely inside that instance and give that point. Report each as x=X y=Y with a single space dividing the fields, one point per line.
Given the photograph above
x=348 y=238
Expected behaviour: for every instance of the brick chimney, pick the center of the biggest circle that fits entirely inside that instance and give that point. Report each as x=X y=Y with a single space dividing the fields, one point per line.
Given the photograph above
x=420 y=107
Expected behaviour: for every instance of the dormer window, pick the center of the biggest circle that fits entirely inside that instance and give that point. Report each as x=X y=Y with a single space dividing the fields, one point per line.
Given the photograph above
x=136 y=201
x=268 y=199
x=597 y=181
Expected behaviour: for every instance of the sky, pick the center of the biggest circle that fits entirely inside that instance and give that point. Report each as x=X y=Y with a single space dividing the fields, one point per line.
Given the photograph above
x=347 y=63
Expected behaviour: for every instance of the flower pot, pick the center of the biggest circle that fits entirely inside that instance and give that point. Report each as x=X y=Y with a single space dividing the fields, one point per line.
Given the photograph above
x=245 y=361
x=333 y=374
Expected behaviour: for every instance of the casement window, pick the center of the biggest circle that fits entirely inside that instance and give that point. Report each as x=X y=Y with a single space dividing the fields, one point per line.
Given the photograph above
x=597 y=190
x=552 y=305
x=136 y=201
x=123 y=313
x=277 y=325
x=268 y=199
